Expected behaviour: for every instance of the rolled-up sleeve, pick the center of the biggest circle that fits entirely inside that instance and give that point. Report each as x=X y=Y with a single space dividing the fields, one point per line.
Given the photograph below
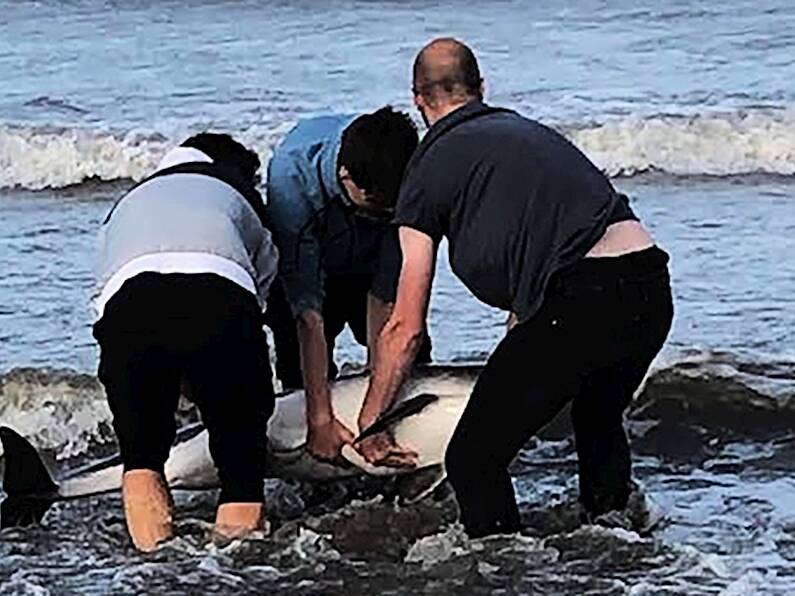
x=291 y=209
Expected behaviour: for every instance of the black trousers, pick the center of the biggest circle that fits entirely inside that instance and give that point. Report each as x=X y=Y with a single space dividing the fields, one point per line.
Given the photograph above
x=601 y=324
x=203 y=331
x=345 y=304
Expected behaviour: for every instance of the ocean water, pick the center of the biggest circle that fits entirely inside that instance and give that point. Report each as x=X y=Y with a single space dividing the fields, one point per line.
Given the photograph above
x=689 y=107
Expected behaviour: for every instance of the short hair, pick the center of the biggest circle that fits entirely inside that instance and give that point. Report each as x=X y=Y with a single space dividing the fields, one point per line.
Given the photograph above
x=457 y=74
x=375 y=150
x=225 y=150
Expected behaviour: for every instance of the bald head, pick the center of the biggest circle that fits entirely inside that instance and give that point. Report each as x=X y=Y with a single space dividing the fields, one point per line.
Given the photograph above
x=446 y=70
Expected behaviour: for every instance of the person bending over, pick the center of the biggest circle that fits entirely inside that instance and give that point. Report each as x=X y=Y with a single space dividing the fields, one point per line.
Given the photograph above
x=331 y=189
x=185 y=265
x=536 y=229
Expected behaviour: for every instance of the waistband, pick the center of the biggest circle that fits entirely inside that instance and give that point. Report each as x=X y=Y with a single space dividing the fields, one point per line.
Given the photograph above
x=649 y=264
x=174 y=262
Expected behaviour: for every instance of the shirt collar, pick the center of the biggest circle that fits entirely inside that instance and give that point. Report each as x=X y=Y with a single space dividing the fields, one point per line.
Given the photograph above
x=467 y=112
x=329 y=169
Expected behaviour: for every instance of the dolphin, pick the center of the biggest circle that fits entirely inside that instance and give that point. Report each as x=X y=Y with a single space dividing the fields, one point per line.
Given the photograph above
x=422 y=418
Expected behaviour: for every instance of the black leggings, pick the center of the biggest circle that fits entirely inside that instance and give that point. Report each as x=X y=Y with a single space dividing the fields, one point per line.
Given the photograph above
x=601 y=324
x=201 y=331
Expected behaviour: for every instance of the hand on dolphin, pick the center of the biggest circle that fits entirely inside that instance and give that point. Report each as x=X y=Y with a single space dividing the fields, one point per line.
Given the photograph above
x=382 y=450
x=325 y=440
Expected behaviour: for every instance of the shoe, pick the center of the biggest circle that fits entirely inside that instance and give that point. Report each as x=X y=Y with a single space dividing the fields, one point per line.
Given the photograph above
x=641 y=514
x=147 y=508
x=617 y=518
x=644 y=513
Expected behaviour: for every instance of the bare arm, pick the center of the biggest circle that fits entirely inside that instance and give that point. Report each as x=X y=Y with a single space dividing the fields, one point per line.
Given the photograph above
x=402 y=335
x=326 y=433
x=378 y=313
x=314 y=367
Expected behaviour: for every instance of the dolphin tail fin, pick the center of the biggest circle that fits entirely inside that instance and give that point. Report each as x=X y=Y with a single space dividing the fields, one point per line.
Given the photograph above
x=405 y=409
x=27 y=483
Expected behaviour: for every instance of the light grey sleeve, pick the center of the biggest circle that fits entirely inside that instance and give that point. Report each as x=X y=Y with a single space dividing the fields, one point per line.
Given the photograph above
x=266 y=261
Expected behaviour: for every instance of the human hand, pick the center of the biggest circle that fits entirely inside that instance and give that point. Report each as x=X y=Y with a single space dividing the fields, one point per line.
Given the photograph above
x=382 y=450
x=325 y=440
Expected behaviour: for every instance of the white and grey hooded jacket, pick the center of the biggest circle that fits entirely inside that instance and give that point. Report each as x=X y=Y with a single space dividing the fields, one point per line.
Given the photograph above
x=190 y=216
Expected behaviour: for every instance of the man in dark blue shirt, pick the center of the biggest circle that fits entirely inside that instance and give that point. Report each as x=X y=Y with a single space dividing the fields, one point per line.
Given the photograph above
x=536 y=229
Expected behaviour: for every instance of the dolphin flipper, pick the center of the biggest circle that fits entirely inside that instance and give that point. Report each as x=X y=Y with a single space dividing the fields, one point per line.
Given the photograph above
x=26 y=481
x=410 y=407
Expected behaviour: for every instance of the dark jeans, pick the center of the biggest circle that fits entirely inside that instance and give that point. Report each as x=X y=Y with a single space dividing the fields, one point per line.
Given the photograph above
x=600 y=326
x=345 y=304
x=159 y=331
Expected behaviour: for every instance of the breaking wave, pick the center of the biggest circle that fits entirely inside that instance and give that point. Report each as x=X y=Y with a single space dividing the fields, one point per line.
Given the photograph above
x=61 y=411
x=57 y=410
x=721 y=144
x=37 y=158
x=753 y=142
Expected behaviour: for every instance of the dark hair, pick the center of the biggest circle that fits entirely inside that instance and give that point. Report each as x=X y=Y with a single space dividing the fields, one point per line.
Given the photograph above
x=375 y=150
x=448 y=65
x=224 y=150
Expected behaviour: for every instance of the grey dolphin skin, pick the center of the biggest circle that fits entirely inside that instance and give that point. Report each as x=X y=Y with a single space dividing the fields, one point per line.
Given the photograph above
x=423 y=418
